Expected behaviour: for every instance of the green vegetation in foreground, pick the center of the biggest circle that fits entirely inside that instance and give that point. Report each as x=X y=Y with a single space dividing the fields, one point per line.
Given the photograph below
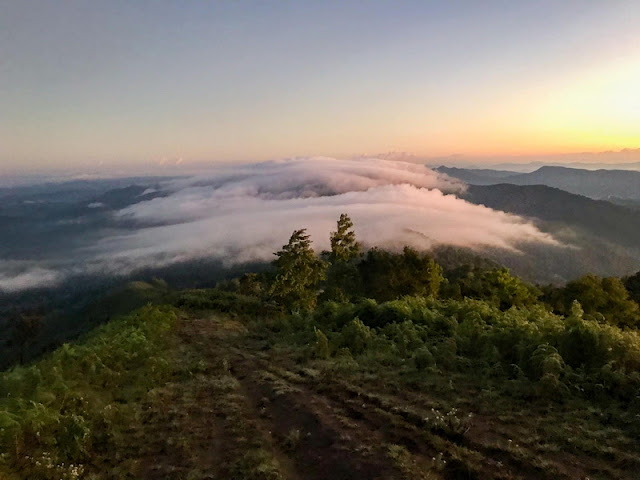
x=371 y=361
x=62 y=417
x=549 y=377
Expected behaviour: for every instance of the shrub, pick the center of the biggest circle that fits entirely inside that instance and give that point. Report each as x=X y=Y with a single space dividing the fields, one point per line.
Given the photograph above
x=423 y=359
x=392 y=312
x=407 y=336
x=527 y=344
x=445 y=352
x=471 y=334
x=546 y=361
x=321 y=347
x=356 y=336
x=56 y=414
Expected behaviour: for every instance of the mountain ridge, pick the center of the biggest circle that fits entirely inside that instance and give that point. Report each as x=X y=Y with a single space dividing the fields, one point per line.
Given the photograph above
x=596 y=184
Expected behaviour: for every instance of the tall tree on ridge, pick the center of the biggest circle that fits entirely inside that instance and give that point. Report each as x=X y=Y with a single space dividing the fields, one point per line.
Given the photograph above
x=298 y=274
x=342 y=277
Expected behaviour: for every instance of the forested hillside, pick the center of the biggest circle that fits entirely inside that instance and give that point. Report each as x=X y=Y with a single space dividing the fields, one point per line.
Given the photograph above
x=598 y=184
x=341 y=364
x=614 y=223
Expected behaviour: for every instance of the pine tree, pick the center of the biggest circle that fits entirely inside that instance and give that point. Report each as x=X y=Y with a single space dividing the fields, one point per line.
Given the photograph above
x=298 y=273
x=344 y=247
x=343 y=280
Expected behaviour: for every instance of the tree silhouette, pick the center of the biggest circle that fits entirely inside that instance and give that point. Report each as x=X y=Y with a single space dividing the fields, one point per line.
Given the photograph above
x=25 y=328
x=387 y=276
x=344 y=247
x=298 y=273
x=343 y=280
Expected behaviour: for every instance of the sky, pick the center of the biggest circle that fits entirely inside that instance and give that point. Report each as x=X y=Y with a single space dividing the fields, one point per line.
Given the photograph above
x=120 y=83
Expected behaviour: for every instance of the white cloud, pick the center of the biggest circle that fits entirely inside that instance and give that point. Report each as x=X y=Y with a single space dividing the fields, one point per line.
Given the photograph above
x=247 y=212
x=16 y=276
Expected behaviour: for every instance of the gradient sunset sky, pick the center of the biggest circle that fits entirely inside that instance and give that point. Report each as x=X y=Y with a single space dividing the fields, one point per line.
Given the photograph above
x=113 y=82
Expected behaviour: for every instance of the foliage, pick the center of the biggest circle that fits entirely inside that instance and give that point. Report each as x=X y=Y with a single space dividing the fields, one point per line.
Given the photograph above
x=343 y=281
x=497 y=286
x=546 y=361
x=344 y=247
x=632 y=284
x=387 y=276
x=528 y=343
x=321 y=346
x=298 y=273
x=355 y=336
x=57 y=415
x=423 y=359
x=601 y=298
x=252 y=284
x=25 y=328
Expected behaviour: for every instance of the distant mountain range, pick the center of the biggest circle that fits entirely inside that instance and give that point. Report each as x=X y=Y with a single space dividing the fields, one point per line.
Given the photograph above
x=615 y=185
x=596 y=236
x=615 y=223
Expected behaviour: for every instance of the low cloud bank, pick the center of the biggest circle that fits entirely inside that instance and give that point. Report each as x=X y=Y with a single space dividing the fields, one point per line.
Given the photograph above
x=246 y=213
x=17 y=276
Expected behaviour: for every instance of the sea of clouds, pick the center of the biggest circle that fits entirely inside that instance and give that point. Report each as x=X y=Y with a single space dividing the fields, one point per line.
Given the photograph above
x=245 y=213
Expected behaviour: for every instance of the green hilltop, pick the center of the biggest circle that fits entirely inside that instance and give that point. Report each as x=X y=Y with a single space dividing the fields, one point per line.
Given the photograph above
x=343 y=364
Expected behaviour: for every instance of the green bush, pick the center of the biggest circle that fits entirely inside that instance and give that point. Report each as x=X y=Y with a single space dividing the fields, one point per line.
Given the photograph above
x=407 y=336
x=423 y=359
x=356 y=336
x=546 y=361
x=55 y=415
x=321 y=346
x=521 y=344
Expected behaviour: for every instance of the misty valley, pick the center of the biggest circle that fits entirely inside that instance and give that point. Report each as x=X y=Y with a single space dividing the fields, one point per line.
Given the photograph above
x=320 y=318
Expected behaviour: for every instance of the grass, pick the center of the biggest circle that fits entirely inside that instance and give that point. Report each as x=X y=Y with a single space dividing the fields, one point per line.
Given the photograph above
x=62 y=416
x=173 y=394
x=469 y=418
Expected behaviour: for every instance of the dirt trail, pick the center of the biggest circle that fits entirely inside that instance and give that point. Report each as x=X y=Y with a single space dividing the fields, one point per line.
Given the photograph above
x=181 y=434
x=300 y=432
x=233 y=412
x=321 y=443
